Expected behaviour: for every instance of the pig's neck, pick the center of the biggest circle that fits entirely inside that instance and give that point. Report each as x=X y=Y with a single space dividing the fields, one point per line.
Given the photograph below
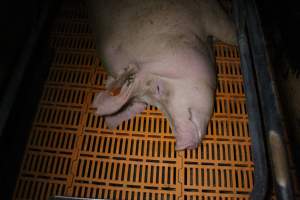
x=187 y=64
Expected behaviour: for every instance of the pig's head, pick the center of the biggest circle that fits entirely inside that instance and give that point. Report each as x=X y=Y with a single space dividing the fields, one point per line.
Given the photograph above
x=187 y=103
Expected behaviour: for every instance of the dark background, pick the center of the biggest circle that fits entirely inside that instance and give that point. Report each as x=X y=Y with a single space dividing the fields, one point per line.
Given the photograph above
x=281 y=25
x=19 y=20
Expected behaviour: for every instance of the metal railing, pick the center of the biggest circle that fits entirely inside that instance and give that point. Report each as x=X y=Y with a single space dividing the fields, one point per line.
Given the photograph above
x=265 y=120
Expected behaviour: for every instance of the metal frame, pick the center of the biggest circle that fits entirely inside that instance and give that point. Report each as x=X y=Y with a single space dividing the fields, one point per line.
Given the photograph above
x=264 y=113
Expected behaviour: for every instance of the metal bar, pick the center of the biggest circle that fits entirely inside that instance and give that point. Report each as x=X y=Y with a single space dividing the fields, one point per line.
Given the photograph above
x=18 y=72
x=255 y=126
x=272 y=117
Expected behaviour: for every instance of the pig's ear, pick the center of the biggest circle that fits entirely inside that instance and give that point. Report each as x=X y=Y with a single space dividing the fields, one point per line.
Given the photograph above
x=118 y=92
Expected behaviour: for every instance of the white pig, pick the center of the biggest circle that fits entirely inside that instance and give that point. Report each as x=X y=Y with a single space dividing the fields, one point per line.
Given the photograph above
x=156 y=52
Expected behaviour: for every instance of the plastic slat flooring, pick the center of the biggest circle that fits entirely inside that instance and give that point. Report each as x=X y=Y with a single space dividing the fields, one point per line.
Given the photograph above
x=71 y=152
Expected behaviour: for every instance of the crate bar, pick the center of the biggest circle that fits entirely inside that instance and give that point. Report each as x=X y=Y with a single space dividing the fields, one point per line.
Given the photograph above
x=255 y=125
x=16 y=78
x=272 y=117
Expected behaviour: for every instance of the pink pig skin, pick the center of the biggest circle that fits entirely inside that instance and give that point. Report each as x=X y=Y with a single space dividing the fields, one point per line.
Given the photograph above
x=157 y=52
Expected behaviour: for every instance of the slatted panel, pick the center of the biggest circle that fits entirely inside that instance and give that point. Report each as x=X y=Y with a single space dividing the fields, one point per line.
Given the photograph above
x=71 y=151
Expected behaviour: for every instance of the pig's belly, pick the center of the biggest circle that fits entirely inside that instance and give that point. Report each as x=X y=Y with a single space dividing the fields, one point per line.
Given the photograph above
x=184 y=61
x=141 y=42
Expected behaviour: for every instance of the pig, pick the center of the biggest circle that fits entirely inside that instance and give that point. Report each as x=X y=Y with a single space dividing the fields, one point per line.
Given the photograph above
x=157 y=52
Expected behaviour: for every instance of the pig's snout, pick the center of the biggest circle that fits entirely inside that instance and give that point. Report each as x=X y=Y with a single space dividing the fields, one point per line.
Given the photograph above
x=191 y=145
x=187 y=136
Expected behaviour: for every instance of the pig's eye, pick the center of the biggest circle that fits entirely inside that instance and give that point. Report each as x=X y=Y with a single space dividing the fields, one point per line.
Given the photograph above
x=157 y=91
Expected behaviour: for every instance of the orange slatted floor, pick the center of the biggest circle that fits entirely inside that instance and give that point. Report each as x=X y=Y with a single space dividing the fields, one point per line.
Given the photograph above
x=71 y=152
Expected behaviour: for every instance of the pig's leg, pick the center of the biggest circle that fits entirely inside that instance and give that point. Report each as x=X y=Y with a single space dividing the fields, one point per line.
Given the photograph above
x=126 y=113
x=106 y=103
x=119 y=92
